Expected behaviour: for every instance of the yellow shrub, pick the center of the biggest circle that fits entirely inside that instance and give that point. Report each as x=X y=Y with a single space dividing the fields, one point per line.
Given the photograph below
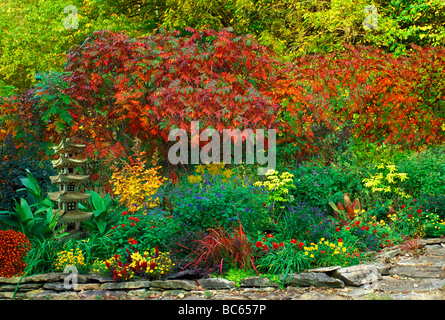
x=135 y=184
x=385 y=180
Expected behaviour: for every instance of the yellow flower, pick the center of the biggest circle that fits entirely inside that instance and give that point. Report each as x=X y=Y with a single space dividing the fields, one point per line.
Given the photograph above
x=227 y=173
x=194 y=179
x=200 y=169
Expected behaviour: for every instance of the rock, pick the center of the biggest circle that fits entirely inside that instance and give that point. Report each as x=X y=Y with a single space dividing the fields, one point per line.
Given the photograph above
x=358 y=275
x=174 y=284
x=432 y=241
x=381 y=267
x=46 y=277
x=258 y=281
x=423 y=261
x=325 y=269
x=320 y=296
x=91 y=294
x=21 y=288
x=313 y=279
x=184 y=275
x=224 y=295
x=124 y=285
x=56 y=286
x=65 y=296
x=415 y=272
x=41 y=294
x=173 y=293
x=84 y=278
x=6 y=295
x=87 y=286
x=216 y=283
x=388 y=254
x=10 y=280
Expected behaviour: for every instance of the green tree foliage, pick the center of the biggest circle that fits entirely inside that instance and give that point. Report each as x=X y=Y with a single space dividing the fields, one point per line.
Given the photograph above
x=34 y=36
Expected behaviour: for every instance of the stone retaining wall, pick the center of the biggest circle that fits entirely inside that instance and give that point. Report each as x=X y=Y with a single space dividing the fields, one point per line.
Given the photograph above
x=55 y=286
x=426 y=271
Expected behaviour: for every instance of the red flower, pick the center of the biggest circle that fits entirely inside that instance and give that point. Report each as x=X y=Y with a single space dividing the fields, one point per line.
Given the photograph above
x=259 y=244
x=419 y=210
x=122 y=225
x=124 y=213
x=363 y=228
x=274 y=245
x=132 y=241
x=340 y=240
x=301 y=245
x=269 y=235
x=403 y=206
x=294 y=241
x=410 y=216
x=337 y=229
x=132 y=224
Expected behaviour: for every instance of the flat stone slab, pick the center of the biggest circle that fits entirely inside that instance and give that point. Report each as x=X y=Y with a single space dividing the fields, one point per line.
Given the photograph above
x=174 y=284
x=46 y=277
x=216 y=283
x=257 y=282
x=401 y=285
x=314 y=279
x=125 y=285
x=416 y=272
x=325 y=269
x=358 y=275
x=423 y=261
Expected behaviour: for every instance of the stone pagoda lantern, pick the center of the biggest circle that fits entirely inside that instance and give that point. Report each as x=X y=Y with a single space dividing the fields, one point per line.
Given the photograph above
x=69 y=180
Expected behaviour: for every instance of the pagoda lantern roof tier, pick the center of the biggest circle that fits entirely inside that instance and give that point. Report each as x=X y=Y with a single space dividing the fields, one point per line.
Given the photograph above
x=68 y=196
x=67 y=162
x=67 y=146
x=72 y=216
x=69 y=178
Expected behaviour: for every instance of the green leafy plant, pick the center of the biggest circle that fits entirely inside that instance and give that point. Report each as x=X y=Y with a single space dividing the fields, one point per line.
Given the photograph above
x=318 y=184
x=41 y=222
x=280 y=258
x=105 y=213
x=278 y=187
